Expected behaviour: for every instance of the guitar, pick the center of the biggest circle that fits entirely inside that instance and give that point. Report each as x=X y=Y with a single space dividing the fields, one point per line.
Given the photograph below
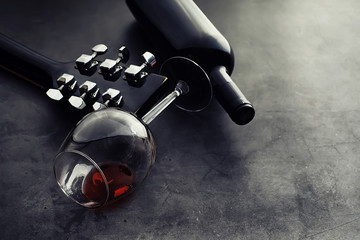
x=89 y=83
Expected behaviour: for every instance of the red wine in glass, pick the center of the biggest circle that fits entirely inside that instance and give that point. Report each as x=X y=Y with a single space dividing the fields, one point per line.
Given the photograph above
x=119 y=177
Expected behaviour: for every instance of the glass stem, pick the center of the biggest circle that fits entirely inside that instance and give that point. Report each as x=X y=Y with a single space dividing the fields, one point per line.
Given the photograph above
x=181 y=88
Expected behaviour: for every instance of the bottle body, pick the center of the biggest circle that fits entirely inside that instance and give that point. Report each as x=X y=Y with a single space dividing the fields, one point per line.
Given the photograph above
x=180 y=28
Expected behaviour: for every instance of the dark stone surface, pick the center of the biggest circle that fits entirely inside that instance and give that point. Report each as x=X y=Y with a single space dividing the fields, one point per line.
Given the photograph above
x=293 y=173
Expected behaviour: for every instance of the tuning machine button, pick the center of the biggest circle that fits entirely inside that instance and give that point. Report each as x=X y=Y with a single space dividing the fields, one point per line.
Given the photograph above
x=110 y=69
x=135 y=75
x=89 y=93
x=111 y=98
x=66 y=86
x=86 y=64
x=124 y=54
x=150 y=59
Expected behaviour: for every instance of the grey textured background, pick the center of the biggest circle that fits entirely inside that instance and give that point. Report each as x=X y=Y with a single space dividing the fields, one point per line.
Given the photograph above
x=293 y=173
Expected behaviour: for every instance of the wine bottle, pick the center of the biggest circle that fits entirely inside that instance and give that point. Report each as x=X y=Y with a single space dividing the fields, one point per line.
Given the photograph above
x=180 y=28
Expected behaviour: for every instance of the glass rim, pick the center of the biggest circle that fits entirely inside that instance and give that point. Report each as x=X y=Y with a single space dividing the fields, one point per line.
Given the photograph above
x=97 y=168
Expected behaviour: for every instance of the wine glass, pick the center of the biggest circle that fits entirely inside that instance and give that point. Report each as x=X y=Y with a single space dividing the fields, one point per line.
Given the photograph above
x=111 y=151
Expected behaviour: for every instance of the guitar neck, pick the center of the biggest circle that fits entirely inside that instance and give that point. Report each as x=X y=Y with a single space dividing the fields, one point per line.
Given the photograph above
x=28 y=64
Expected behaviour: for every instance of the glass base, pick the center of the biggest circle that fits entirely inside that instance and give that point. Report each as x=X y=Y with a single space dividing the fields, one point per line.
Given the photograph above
x=200 y=89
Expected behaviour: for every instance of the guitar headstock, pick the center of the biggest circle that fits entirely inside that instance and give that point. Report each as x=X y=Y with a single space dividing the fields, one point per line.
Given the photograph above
x=90 y=82
x=88 y=93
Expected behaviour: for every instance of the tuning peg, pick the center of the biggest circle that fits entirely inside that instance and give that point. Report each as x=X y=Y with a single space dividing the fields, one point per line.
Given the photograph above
x=110 y=69
x=111 y=98
x=135 y=75
x=150 y=59
x=124 y=54
x=89 y=93
x=66 y=86
x=97 y=106
x=86 y=63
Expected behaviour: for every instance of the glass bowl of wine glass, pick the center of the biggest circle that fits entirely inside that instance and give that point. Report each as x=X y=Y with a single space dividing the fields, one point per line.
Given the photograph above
x=104 y=157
